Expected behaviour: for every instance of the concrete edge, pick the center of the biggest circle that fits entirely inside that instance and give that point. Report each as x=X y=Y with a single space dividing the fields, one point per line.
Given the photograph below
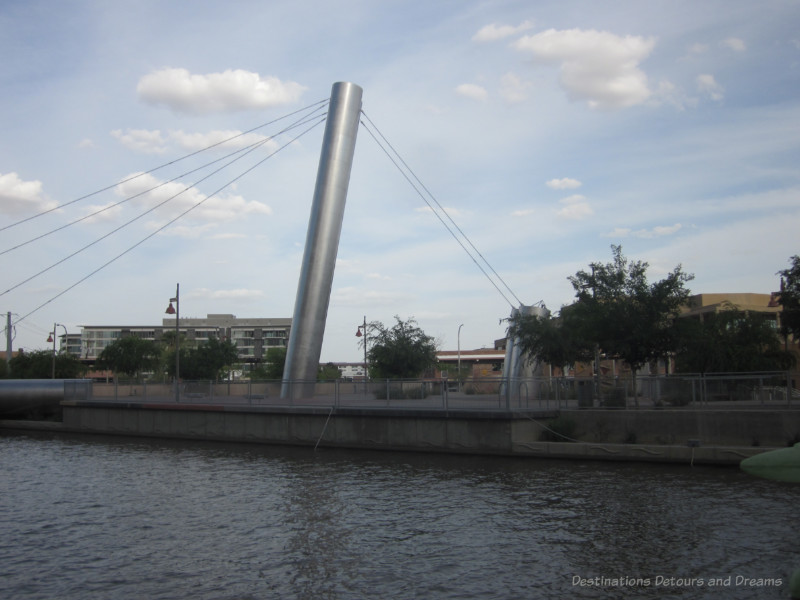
x=586 y=451
x=702 y=455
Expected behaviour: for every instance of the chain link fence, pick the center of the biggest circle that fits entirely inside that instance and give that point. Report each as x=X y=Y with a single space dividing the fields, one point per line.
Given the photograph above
x=724 y=390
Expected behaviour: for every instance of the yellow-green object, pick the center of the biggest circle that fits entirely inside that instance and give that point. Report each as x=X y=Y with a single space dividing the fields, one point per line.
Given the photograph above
x=794 y=585
x=778 y=465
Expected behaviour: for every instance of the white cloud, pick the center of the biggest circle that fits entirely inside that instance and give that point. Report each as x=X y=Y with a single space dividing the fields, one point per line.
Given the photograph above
x=668 y=93
x=178 y=198
x=563 y=184
x=735 y=44
x=576 y=208
x=513 y=89
x=142 y=140
x=103 y=212
x=471 y=90
x=85 y=143
x=18 y=197
x=230 y=90
x=596 y=66
x=198 y=141
x=493 y=32
x=706 y=84
x=655 y=232
x=523 y=212
x=153 y=142
x=696 y=49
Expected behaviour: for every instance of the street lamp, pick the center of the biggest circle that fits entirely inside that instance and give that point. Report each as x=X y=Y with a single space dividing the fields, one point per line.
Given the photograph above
x=359 y=334
x=52 y=338
x=176 y=310
x=459 y=356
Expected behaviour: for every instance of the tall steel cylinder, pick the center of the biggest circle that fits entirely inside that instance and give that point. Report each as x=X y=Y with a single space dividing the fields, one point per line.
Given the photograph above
x=322 y=241
x=514 y=367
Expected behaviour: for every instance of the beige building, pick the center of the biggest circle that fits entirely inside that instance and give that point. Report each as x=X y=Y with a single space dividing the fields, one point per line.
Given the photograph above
x=252 y=337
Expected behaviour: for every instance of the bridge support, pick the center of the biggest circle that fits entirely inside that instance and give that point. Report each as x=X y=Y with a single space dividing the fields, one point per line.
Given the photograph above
x=514 y=365
x=322 y=242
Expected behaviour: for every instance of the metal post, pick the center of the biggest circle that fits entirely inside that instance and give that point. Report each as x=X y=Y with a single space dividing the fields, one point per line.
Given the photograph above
x=8 y=342
x=322 y=239
x=53 y=373
x=459 y=356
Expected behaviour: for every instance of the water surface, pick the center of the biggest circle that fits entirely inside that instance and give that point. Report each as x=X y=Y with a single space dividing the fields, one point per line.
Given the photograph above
x=99 y=517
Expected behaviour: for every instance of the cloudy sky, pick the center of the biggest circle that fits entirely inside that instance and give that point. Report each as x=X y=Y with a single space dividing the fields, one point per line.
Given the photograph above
x=547 y=130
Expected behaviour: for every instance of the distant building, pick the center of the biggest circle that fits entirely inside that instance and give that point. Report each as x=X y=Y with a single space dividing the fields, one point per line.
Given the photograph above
x=252 y=337
x=478 y=364
x=351 y=371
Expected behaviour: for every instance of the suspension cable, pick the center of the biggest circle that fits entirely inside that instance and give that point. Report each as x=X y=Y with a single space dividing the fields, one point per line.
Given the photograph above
x=438 y=216
x=246 y=149
x=162 y=166
x=168 y=223
x=443 y=210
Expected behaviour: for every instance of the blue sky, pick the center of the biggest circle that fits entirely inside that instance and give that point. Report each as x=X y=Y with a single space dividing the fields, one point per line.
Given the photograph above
x=549 y=131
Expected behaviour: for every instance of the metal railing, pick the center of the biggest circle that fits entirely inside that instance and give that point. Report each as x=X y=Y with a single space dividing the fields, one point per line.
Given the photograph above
x=724 y=390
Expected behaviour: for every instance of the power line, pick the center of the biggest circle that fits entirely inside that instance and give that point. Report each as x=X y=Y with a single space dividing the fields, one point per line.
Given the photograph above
x=443 y=210
x=162 y=166
x=168 y=223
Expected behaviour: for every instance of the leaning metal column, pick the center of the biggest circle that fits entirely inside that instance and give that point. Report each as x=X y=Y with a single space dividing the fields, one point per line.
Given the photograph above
x=322 y=242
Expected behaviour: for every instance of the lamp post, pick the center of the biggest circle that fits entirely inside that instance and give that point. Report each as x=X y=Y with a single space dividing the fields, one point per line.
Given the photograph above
x=176 y=310
x=52 y=338
x=459 y=356
x=359 y=334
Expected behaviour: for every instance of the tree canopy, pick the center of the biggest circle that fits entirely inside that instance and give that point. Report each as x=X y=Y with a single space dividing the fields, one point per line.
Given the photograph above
x=39 y=365
x=790 y=298
x=130 y=355
x=207 y=361
x=400 y=352
x=730 y=340
x=557 y=340
x=627 y=316
x=616 y=310
x=272 y=367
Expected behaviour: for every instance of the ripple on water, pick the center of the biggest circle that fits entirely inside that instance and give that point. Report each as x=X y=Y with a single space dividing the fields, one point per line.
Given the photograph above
x=101 y=517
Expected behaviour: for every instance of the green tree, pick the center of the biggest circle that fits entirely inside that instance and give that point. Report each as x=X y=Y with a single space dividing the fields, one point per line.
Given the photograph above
x=328 y=372
x=730 y=340
x=400 y=352
x=129 y=355
x=790 y=299
x=207 y=361
x=3 y=368
x=272 y=367
x=559 y=340
x=624 y=314
x=39 y=365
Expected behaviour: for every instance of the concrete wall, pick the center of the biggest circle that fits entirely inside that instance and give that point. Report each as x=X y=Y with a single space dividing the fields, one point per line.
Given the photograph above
x=660 y=435
x=776 y=428
x=356 y=430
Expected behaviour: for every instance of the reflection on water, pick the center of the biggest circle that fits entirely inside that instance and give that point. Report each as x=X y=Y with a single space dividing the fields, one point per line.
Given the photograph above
x=90 y=517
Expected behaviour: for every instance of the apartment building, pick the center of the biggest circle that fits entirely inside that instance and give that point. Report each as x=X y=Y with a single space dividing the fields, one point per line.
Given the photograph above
x=252 y=337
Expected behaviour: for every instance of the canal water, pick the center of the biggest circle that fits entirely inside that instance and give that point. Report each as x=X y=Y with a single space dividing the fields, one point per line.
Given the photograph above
x=98 y=518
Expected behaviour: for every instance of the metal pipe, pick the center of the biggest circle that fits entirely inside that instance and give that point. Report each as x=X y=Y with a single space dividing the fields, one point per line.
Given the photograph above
x=322 y=240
